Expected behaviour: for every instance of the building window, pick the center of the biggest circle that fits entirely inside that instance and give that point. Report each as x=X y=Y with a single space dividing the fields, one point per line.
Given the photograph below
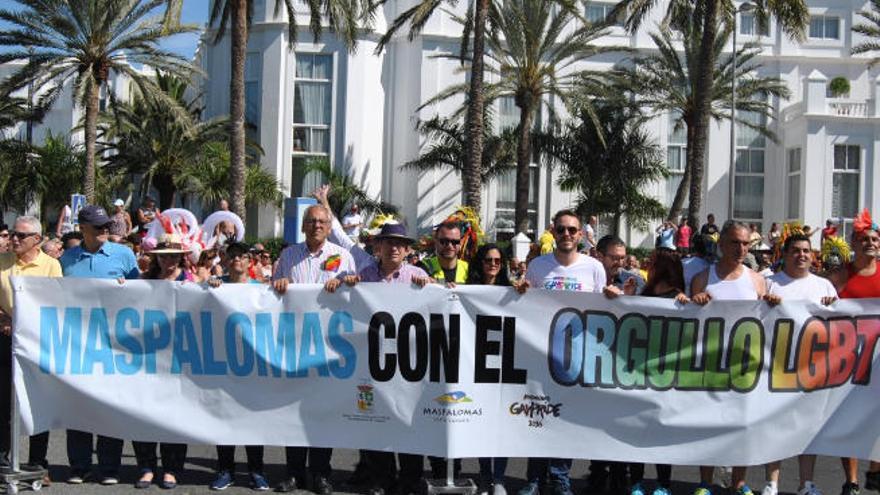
x=312 y=116
x=748 y=199
x=508 y=118
x=793 y=186
x=676 y=154
x=598 y=12
x=845 y=188
x=252 y=97
x=748 y=25
x=824 y=27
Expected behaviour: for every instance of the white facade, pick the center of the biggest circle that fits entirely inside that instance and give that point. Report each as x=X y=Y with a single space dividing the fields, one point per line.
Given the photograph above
x=360 y=110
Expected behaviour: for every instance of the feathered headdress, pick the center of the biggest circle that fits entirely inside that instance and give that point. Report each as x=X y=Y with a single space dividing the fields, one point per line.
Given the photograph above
x=864 y=222
x=835 y=252
x=788 y=230
x=471 y=233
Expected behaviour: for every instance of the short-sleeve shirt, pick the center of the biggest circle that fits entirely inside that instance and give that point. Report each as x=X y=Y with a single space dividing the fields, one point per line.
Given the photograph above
x=683 y=239
x=811 y=287
x=300 y=266
x=404 y=275
x=584 y=275
x=10 y=266
x=111 y=260
x=351 y=219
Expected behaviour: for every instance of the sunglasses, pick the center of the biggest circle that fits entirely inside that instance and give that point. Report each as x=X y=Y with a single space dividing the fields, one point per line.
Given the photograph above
x=563 y=229
x=444 y=242
x=22 y=235
x=492 y=261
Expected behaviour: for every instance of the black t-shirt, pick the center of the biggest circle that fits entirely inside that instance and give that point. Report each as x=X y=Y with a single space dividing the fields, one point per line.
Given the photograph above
x=708 y=229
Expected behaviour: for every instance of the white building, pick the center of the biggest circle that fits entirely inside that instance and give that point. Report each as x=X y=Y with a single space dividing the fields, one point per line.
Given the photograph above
x=359 y=111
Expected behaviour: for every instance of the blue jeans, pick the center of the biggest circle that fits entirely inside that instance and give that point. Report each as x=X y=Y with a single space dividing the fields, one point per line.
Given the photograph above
x=538 y=469
x=493 y=468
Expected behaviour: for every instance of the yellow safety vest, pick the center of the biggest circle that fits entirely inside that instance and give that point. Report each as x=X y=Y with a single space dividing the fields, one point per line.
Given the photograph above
x=436 y=271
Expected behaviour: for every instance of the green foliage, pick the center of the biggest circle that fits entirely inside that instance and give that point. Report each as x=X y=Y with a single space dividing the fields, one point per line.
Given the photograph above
x=608 y=175
x=839 y=86
x=446 y=148
x=870 y=29
x=344 y=191
x=208 y=178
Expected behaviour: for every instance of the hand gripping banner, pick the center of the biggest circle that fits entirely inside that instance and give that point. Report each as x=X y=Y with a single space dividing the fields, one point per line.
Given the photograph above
x=468 y=372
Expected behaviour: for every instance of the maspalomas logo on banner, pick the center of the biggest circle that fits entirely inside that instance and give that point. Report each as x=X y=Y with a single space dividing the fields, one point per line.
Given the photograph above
x=365 y=404
x=453 y=407
x=536 y=408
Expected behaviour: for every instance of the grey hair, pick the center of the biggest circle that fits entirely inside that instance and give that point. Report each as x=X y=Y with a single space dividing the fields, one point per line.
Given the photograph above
x=32 y=222
x=731 y=225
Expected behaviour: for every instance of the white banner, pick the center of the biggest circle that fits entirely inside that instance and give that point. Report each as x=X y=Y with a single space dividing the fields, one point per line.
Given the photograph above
x=474 y=371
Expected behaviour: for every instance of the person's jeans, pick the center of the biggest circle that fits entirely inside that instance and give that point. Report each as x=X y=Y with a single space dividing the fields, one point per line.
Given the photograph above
x=173 y=456
x=79 y=452
x=226 y=458
x=493 y=468
x=317 y=459
x=557 y=470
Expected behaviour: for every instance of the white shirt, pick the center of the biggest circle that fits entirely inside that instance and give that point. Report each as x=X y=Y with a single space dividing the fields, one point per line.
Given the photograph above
x=352 y=218
x=300 y=266
x=811 y=287
x=588 y=233
x=584 y=275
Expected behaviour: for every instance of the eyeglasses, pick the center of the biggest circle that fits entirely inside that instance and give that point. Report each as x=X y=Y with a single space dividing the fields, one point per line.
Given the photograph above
x=444 y=242
x=4 y=234
x=22 y=235
x=315 y=221
x=492 y=261
x=563 y=229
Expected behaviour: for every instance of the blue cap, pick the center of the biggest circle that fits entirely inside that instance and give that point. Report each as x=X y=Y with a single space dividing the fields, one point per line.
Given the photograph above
x=93 y=215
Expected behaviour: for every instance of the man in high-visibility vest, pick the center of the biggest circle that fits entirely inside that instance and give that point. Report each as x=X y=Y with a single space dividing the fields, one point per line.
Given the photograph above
x=445 y=266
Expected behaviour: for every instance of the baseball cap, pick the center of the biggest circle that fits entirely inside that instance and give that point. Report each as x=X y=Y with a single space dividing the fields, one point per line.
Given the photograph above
x=93 y=215
x=119 y=202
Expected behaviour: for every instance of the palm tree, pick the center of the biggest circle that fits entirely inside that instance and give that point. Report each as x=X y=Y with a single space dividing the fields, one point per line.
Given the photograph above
x=531 y=51
x=448 y=148
x=666 y=82
x=84 y=41
x=870 y=27
x=608 y=165
x=148 y=139
x=345 y=17
x=208 y=178
x=344 y=191
x=707 y=17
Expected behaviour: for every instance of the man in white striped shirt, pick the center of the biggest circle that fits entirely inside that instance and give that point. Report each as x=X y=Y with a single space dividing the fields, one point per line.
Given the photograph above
x=315 y=261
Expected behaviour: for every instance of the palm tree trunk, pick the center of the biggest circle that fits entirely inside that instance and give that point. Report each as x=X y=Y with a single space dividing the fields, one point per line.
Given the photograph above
x=523 y=159
x=236 y=106
x=685 y=185
x=702 y=103
x=164 y=184
x=472 y=174
x=93 y=98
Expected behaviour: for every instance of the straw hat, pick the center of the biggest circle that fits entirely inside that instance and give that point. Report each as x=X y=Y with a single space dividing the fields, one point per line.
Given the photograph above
x=169 y=244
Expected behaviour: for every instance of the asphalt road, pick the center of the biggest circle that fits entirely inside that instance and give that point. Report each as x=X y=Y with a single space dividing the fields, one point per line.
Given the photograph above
x=200 y=464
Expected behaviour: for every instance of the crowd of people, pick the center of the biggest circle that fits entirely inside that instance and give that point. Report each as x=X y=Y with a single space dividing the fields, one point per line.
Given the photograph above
x=692 y=267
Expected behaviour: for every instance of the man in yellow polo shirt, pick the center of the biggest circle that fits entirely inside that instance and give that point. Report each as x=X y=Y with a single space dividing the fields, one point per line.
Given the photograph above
x=26 y=259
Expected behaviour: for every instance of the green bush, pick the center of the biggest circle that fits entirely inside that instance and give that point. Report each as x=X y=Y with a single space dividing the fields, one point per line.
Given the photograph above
x=838 y=86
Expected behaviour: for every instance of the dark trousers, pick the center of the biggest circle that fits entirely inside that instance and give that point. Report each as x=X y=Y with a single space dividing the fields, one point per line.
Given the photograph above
x=39 y=443
x=539 y=469
x=79 y=452
x=412 y=467
x=317 y=460
x=226 y=458
x=637 y=473
x=382 y=468
x=173 y=456
x=39 y=449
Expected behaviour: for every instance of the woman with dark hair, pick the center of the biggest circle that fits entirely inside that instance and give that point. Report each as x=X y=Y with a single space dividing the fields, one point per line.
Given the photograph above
x=488 y=268
x=665 y=279
x=166 y=264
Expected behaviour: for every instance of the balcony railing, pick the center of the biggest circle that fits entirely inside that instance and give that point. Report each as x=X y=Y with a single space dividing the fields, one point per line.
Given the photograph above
x=847 y=108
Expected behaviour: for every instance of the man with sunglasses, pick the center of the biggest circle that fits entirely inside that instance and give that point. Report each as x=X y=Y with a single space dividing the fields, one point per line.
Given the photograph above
x=445 y=266
x=25 y=259
x=565 y=269
x=96 y=257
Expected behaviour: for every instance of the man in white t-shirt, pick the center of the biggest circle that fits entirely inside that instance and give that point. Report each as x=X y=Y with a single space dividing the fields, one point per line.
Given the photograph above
x=563 y=269
x=796 y=282
x=352 y=222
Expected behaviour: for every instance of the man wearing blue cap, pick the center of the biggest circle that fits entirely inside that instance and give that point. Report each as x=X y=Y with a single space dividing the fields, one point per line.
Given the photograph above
x=96 y=257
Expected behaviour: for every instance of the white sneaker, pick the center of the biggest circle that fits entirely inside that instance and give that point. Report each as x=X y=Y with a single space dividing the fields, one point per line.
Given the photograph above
x=809 y=489
x=498 y=489
x=769 y=490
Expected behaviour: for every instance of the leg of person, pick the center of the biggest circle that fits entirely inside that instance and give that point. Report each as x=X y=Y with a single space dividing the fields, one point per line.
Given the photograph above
x=361 y=474
x=145 y=454
x=872 y=477
x=255 y=468
x=320 y=469
x=38 y=450
x=109 y=459
x=707 y=473
x=636 y=478
x=771 y=470
x=597 y=480
x=618 y=478
x=438 y=467
x=536 y=474
x=806 y=466
x=558 y=472
x=173 y=460
x=79 y=455
x=851 y=471
x=412 y=472
x=225 y=467
x=5 y=396
x=664 y=479
x=382 y=469
x=499 y=467
x=296 y=469
x=738 y=480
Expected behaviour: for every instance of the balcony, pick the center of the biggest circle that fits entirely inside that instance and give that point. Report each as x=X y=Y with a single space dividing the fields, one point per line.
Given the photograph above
x=834 y=107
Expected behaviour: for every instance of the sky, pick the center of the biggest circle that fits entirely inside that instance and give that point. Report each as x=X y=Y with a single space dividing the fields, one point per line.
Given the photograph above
x=194 y=11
